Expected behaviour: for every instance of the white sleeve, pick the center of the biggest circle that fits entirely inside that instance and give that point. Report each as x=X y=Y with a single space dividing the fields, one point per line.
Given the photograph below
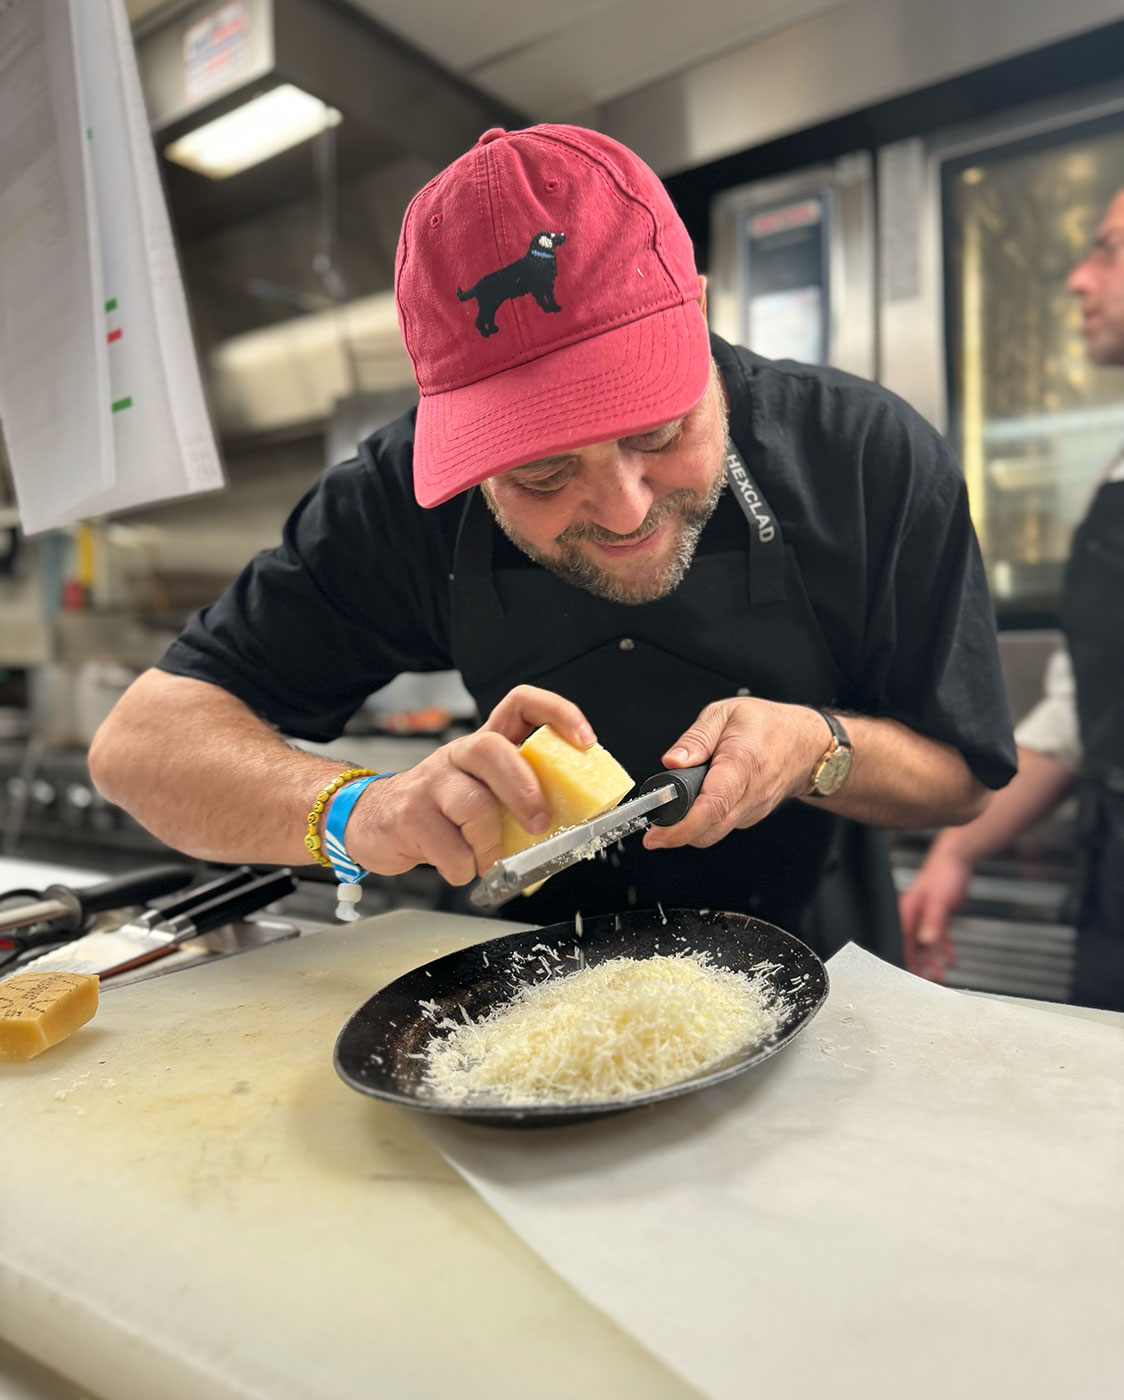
x=1051 y=726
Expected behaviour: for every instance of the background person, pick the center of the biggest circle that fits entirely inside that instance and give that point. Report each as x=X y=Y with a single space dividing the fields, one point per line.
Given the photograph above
x=1074 y=739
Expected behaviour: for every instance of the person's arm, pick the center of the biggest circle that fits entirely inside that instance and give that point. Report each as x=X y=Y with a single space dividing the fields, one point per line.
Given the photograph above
x=201 y=771
x=941 y=884
x=762 y=753
x=197 y=768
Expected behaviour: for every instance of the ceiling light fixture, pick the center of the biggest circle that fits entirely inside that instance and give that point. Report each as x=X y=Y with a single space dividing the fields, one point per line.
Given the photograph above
x=266 y=125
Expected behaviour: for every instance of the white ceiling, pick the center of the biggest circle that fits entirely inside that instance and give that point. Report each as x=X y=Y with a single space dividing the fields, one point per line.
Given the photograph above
x=558 y=61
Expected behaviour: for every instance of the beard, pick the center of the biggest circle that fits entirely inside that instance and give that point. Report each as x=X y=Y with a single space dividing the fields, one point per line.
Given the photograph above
x=686 y=511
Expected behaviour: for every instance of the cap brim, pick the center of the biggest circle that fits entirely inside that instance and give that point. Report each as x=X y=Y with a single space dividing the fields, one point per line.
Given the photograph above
x=627 y=380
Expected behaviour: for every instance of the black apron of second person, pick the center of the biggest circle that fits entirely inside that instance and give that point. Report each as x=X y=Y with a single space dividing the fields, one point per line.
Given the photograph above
x=1092 y=617
x=641 y=675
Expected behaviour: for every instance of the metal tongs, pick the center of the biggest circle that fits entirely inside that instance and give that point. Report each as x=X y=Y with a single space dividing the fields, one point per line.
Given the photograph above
x=662 y=800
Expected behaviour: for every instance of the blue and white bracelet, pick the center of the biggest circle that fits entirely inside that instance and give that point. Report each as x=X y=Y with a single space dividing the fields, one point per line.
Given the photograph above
x=348 y=873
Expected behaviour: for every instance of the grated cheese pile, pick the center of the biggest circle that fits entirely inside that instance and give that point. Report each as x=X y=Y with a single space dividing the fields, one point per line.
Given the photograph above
x=603 y=1033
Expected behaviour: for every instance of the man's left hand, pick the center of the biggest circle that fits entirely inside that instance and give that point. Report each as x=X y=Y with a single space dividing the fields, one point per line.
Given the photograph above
x=760 y=752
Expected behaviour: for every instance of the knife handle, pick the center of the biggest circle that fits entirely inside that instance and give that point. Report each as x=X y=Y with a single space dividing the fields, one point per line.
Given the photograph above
x=246 y=899
x=82 y=904
x=201 y=894
x=687 y=782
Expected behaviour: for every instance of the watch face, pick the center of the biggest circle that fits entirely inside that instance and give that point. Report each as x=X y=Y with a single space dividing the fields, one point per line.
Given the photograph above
x=833 y=770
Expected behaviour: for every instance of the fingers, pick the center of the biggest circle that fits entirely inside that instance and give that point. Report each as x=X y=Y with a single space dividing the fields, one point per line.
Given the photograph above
x=758 y=752
x=926 y=936
x=406 y=831
x=493 y=772
x=728 y=796
x=448 y=811
x=697 y=744
x=922 y=959
x=479 y=775
x=526 y=707
x=714 y=812
x=442 y=844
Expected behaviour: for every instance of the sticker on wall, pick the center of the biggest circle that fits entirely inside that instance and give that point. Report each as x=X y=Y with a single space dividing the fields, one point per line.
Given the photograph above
x=215 y=50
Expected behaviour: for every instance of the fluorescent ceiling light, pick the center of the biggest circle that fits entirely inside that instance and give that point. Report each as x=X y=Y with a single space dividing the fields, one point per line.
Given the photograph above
x=266 y=125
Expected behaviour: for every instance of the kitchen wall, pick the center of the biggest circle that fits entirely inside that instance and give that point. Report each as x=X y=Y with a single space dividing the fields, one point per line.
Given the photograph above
x=257 y=271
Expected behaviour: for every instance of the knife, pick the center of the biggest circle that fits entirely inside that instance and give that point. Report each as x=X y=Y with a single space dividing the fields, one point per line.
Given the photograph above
x=19 y=948
x=663 y=799
x=69 y=910
x=117 y=950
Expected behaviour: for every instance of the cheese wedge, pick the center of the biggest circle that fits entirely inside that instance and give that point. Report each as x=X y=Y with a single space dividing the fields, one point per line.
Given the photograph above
x=579 y=784
x=38 y=1009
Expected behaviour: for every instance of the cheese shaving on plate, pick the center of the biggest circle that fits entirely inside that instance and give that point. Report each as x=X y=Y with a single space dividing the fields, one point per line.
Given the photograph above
x=624 y=1027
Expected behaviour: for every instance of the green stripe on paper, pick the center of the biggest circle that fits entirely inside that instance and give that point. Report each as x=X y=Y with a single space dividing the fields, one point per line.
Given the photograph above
x=122 y=403
x=111 y=304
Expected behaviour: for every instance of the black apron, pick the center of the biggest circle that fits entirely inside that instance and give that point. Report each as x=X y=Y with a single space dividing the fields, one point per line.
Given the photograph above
x=740 y=623
x=1092 y=617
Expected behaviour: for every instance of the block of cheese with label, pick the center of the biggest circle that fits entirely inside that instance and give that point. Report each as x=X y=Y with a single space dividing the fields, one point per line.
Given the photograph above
x=579 y=784
x=38 y=1009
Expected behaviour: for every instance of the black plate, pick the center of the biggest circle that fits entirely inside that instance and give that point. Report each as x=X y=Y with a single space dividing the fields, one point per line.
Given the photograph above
x=373 y=1052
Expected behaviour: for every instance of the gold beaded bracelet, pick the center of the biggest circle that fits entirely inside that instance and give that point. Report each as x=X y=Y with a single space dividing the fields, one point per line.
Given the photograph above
x=312 y=839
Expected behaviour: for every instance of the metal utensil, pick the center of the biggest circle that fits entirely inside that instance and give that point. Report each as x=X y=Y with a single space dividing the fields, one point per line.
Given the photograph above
x=663 y=799
x=69 y=910
x=114 y=951
x=192 y=899
x=381 y=1049
x=20 y=947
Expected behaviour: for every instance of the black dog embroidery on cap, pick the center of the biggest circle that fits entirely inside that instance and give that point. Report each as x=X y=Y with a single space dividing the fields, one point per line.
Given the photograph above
x=533 y=273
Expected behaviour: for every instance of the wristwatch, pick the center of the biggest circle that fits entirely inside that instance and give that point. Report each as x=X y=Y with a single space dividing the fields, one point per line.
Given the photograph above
x=832 y=768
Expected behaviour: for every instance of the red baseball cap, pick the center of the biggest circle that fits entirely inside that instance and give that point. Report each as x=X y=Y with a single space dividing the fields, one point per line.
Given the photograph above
x=548 y=298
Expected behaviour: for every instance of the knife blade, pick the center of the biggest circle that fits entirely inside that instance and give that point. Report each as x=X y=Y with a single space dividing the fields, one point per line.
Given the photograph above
x=663 y=799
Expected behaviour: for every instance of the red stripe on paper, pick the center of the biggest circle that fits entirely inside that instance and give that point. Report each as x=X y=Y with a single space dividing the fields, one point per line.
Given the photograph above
x=112 y=336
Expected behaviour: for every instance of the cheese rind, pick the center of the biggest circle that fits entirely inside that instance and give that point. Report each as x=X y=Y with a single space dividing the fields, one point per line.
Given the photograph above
x=38 y=1009
x=579 y=784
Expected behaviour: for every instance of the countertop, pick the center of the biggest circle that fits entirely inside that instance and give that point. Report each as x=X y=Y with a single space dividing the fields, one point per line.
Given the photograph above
x=197 y=1208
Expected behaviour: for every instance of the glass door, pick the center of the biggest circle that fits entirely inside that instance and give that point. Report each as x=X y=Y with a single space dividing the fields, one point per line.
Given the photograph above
x=1035 y=423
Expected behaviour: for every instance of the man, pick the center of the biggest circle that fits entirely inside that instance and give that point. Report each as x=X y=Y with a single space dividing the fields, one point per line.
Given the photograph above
x=556 y=523
x=1075 y=736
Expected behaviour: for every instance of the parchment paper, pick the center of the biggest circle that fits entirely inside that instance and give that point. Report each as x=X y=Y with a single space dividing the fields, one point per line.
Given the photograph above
x=920 y=1197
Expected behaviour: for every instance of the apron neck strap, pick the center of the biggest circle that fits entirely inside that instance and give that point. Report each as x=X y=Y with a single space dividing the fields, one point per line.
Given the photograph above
x=766 y=542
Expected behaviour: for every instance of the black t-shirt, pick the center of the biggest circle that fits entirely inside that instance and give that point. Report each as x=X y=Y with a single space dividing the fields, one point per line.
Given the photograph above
x=866 y=492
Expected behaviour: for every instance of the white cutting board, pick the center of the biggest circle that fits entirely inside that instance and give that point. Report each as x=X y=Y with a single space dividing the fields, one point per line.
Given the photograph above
x=195 y=1207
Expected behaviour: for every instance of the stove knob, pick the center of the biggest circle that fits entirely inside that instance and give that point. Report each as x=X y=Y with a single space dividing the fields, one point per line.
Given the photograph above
x=102 y=817
x=42 y=792
x=79 y=795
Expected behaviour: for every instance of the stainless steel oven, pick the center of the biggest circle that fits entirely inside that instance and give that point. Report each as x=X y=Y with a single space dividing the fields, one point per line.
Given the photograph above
x=792 y=266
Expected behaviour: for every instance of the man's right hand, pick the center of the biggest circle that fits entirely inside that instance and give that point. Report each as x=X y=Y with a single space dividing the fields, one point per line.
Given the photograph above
x=941 y=886
x=927 y=907
x=445 y=811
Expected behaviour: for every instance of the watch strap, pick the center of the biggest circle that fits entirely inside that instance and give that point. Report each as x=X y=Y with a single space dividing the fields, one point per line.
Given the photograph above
x=833 y=723
x=839 y=740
